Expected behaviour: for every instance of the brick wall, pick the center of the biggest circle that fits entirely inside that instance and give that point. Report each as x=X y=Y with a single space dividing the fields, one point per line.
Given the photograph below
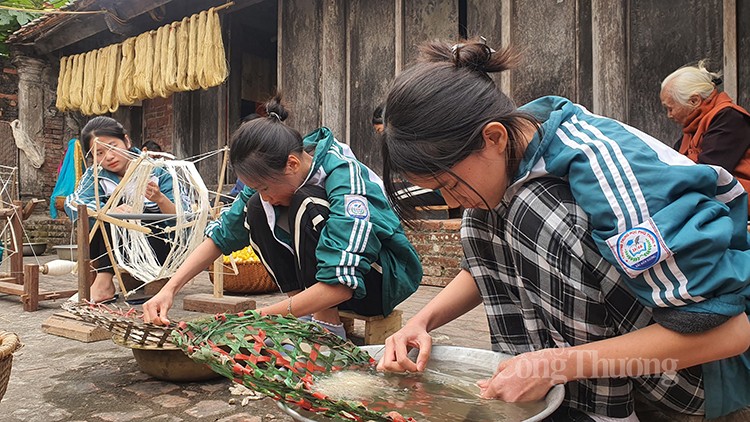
x=8 y=113
x=8 y=91
x=54 y=150
x=157 y=122
x=39 y=227
x=45 y=229
x=439 y=246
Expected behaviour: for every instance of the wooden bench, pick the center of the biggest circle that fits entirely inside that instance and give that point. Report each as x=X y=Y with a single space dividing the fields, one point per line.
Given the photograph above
x=432 y=212
x=377 y=328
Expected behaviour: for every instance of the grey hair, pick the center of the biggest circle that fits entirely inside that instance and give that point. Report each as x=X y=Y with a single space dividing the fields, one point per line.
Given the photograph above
x=690 y=80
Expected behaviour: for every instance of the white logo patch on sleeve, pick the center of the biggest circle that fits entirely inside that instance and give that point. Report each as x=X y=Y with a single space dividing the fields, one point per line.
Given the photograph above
x=639 y=248
x=355 y=206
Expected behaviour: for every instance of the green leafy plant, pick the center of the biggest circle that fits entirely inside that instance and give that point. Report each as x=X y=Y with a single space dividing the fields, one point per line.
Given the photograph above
x=16 y=13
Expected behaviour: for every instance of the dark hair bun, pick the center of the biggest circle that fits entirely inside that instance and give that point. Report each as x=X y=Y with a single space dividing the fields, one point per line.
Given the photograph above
x=473 y=54
x=275 y=109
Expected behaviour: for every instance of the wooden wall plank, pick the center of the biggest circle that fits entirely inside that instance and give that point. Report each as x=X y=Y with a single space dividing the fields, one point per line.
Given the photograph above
x=584 y=55
x=208 y=136
x=480 y=22
x=487 y=25
x=743 y=53
x=546 y=32
x=609 y=58
x=334 y=68
x=426 y=20
x=299 y=61
x=372 y=56
x=182 y=124
x=730 y=47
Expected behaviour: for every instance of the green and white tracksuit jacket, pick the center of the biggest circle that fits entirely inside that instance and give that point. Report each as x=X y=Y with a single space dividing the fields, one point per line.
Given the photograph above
x=676 y=231
x=361 y=230
x=85 y=192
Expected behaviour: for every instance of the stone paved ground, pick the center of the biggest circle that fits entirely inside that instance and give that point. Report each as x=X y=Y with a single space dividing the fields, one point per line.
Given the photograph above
x=57 y=379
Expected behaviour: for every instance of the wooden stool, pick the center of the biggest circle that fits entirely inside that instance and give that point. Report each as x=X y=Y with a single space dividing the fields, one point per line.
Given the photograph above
x=377 y=328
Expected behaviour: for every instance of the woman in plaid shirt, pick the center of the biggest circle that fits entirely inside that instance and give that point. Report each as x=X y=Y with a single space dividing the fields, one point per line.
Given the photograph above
x=604 y=259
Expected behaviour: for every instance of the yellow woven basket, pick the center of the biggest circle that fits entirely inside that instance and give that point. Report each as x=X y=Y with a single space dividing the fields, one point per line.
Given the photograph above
x=9 y=343
x=251 y=277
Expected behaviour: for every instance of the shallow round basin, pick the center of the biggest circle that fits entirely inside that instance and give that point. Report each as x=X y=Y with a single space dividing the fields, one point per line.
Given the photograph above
x=442 y=360
x=168 y=364
x=34 y=249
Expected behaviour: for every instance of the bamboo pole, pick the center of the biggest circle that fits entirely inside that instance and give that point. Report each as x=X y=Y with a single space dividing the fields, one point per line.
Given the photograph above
x=111 y=255
x=219 y=262
x=118 y=222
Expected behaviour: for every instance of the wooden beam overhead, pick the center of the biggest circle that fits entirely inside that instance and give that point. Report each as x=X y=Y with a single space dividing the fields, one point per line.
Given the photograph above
x=127 y=10
x=122 y=22
x=81 y=27
x=69 y=32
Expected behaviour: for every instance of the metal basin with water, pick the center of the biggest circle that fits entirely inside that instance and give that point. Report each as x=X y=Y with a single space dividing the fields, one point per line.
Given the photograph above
x=168 y=363
x=444 y=360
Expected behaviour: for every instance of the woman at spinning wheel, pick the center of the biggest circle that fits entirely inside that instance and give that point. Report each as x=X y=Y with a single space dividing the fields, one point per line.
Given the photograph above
x=317 y=218
x=113 y=155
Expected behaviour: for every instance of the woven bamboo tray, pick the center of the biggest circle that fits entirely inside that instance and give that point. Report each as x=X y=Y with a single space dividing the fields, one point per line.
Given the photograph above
x=9 y=343
x=126 y=325
x=250 y=278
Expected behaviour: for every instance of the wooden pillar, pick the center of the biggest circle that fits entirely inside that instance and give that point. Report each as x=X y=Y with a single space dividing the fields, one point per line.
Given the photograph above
x=84 y=255
x=730 y=48
x=610 y=54
x=506 y=17
x=333 y=69
x=31 y=106
x=399 y=36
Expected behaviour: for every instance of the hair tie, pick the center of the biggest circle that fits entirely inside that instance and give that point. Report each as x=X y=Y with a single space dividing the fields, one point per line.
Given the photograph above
x=274 y=115
x=454 y=51
x=489 y=49
x=456 y=47
x=717 y=80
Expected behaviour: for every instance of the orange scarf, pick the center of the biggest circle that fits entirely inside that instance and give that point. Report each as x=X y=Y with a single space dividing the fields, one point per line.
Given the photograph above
x=700 y=118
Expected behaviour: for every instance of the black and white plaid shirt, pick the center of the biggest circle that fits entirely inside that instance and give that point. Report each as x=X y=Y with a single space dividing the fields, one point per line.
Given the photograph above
x=544 y=284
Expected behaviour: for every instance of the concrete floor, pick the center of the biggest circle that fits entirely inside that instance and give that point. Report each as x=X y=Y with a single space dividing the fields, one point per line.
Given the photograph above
x=58 y=379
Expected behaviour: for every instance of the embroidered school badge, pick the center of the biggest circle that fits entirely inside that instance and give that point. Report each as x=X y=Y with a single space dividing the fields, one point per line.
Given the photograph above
x=355 y=206
x=639 y=248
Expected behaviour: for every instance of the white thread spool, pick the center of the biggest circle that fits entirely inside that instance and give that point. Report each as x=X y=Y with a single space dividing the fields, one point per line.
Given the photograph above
x=58 y=267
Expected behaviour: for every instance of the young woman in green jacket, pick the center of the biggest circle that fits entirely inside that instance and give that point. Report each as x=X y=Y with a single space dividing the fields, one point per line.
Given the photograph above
x=318 y=219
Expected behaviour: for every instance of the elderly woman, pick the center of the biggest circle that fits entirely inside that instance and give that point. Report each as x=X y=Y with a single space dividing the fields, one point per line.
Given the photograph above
x=715 y=130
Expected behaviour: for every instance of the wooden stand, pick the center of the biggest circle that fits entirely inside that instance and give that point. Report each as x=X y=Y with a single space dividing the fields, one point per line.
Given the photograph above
x=23 y=280
x=67 y=325
x=377 y=328
x=210 y=304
